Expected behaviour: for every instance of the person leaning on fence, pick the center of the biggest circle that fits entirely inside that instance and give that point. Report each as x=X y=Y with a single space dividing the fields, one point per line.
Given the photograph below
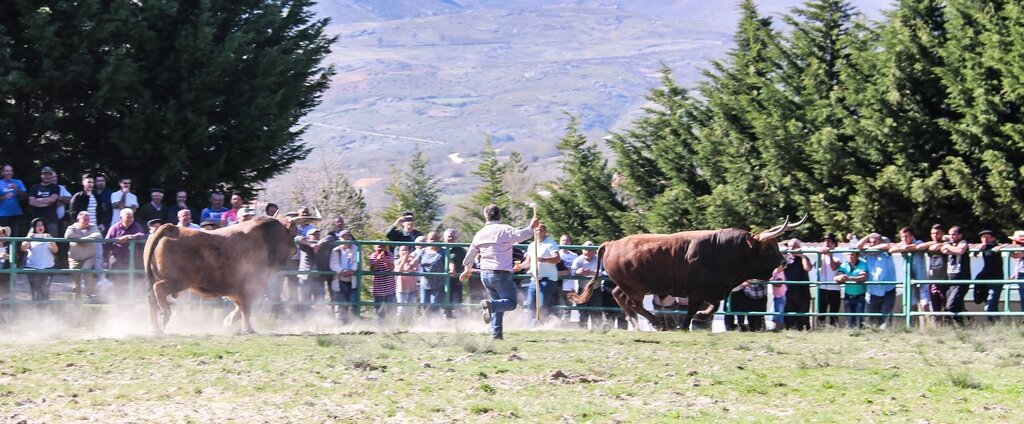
x=431 y=259
x=779 y=296
x=936 y=266
x=493 y=246
x=311 y=287
x=958 y=267
x=568 y=284
x=585 y=265
x=881 y=268
x=116 y=253
x=1017 y=271
x=755 y=301
x=456 y=256
x=798 y=296
x=5 y=263
x=852 y=275
x=40 y=256
x=383 y=290
x=992 y=269
x=830 y=296
x=344 y=262
x=921 y=294
x=82 y=255
x=543 y=267
x=324 y=247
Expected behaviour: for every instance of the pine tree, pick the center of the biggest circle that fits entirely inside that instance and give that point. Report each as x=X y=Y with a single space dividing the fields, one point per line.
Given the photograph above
x=339 y=198
x=582 y=202
x=494 y=175
x=415 y=190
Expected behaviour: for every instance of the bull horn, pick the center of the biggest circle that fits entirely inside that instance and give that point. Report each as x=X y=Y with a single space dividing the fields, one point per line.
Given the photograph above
x=774 y=231
x=795 y=225
x=321 y=216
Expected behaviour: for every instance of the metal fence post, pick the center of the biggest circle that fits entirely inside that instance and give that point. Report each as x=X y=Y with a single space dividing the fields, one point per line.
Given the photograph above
x=908 y=294
x=359 y=278
x=131 y=270
x=13 y=273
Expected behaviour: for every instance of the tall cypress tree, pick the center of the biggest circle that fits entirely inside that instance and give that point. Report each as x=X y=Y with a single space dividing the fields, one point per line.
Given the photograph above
x=983 y=75
x=900 y=101
x=827 y=165
x=656 y=169
x=582 y=202
x=742 y=151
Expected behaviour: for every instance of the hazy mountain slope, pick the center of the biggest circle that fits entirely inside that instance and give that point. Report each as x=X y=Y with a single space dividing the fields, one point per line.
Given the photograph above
x=449 y=72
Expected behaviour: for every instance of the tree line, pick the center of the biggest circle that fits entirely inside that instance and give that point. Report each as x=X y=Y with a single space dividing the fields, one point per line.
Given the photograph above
x=867 y=126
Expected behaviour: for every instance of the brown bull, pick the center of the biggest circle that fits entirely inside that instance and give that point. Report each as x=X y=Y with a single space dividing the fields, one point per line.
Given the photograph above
x=703 y=266
x=234 y=262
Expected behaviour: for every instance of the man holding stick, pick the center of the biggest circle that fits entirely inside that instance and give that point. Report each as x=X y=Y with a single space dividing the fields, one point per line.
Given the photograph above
x=493 y=244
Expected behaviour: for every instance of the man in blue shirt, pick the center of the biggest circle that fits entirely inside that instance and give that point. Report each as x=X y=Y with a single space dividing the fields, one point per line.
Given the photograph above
x=12 y=192
x=881 y=297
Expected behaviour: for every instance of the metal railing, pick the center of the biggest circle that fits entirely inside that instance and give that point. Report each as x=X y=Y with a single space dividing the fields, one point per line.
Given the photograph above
x=906 y=284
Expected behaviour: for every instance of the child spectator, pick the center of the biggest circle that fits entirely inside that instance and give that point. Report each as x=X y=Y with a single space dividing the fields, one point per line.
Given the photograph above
x=40 y=255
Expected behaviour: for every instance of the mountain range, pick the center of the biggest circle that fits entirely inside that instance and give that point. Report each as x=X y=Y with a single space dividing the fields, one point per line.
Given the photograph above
x=441 y=75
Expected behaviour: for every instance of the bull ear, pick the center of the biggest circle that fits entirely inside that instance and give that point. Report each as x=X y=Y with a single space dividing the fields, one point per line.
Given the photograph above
x=752 y=241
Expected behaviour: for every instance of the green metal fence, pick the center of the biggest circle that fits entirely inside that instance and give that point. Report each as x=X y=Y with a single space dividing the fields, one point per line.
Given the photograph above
x=136 y=279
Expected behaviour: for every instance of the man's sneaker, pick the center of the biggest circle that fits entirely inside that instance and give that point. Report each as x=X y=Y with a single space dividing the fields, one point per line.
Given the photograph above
x=486 y=306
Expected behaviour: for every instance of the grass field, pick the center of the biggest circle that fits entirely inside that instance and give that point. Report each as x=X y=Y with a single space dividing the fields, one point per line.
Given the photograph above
x=944 y=375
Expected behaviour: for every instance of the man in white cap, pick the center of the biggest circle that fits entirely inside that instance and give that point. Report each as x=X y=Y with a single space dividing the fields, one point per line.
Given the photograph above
x=246 y=214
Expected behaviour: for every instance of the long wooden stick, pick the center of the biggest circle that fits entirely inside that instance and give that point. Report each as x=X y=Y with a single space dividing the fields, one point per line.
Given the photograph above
x=536 y=263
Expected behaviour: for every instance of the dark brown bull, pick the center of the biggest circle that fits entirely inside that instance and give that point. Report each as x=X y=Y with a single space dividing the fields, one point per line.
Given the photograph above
x=703 y=266
x=234 y=262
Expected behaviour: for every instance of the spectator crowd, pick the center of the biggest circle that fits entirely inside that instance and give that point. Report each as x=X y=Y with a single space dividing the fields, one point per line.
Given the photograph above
x=420 y=280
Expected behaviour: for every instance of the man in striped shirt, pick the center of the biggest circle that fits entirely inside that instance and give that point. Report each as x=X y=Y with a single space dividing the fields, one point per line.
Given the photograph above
x=493 y=245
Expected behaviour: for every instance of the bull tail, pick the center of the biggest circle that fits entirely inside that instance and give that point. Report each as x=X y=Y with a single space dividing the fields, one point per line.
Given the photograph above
x=148 y=253
x=588 y=290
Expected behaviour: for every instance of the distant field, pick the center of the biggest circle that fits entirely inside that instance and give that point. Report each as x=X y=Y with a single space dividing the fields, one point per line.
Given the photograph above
x=545 y=376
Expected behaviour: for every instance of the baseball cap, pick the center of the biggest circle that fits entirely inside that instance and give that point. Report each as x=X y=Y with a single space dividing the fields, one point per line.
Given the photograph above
x=46 y=170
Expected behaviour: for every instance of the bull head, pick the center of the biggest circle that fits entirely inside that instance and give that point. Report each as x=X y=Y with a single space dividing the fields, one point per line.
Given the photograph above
x=774 y=232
